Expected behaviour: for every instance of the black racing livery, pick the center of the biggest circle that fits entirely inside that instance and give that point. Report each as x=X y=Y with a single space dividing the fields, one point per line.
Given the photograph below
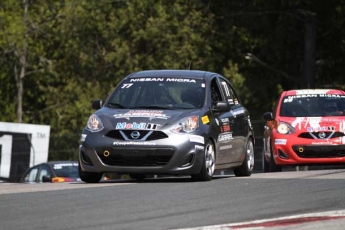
x=168 y=122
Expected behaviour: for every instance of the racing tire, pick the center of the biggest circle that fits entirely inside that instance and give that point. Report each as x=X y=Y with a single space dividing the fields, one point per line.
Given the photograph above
x=208 y=164
x=89 y=177
x=247 y=166
x=273 y=166
x=139 y=177
x=266 y=166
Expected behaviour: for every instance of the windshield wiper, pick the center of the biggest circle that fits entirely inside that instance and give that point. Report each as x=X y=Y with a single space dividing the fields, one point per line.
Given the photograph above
x=111 y=104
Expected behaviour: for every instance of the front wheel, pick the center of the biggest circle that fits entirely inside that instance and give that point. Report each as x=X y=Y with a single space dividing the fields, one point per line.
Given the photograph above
x=89 y=177
x=208 y=164
x=273 y=166
x=247 y=166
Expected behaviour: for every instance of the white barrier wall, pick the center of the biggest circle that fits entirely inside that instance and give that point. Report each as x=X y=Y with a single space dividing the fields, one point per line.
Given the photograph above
x=22 y=146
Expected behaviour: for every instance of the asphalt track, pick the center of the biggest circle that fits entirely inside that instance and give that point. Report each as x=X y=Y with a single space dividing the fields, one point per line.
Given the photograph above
x=287 y=200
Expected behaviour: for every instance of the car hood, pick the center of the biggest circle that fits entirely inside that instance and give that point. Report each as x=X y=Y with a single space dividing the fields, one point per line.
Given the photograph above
x=142 y=118
x=316 y=124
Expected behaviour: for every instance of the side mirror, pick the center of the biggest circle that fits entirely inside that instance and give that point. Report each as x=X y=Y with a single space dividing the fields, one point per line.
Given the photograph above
x=46 y=178
x=268 y=116
x=97 y=104
x=221 y=106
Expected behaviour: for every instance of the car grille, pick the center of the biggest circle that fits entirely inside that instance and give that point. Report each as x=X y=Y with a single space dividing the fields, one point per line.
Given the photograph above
x=144 y=135
x=316 y=135
x=136 y=157
x=319 y=151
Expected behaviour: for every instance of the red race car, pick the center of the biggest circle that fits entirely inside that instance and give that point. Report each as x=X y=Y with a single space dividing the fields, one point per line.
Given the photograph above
x=307 y=127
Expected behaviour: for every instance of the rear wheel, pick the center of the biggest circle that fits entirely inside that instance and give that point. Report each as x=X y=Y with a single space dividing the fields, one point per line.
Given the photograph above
x=208 y=164
x=247 y=166
x=89 y=177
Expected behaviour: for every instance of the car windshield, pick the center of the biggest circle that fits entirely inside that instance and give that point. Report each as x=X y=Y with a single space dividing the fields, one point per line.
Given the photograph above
x=313 y=105
x=158 y=93
x=66 y=169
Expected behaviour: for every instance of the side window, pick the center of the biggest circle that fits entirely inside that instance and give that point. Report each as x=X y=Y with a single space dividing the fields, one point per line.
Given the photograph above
x=45 y=171
x=31 y=175
x=230 y=96
x=215 y=92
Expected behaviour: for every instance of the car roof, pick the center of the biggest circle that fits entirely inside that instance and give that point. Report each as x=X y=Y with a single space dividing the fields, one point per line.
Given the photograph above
x=60 y=162
x=312 y=91
x=172 y=73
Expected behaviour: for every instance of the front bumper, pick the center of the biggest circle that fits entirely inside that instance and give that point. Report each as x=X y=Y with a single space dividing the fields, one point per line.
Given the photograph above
x=299 y=151
x=178 y=154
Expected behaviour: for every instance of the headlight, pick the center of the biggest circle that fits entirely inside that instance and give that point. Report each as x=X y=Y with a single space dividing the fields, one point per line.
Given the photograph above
x=94 y=124
x=186 y=125
x=284 y=128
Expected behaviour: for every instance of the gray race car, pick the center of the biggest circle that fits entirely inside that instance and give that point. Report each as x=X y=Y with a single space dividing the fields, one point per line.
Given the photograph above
x=168 y=122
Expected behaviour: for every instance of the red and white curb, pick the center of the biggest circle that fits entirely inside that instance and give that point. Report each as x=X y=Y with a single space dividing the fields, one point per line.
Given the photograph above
x=276 y=222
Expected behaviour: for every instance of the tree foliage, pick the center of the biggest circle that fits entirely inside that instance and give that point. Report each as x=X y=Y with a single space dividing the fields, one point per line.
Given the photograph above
x=77 y=51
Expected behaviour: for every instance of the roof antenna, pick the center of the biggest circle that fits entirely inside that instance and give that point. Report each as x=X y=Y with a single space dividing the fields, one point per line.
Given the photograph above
x=190 y=65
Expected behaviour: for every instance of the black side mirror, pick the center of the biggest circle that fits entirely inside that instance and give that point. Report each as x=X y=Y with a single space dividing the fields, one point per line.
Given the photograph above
x=221 y=106
x=268 y=116
x=97 y=104
x=46 y=178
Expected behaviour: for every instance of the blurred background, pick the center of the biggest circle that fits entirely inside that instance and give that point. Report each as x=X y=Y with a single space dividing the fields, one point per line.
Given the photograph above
x=56 y=56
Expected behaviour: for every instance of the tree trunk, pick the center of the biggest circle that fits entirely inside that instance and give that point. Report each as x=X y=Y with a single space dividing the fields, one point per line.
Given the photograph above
x=22 y=63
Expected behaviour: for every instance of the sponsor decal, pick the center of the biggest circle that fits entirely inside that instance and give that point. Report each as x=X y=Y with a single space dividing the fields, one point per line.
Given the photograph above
x=313 y=122
x=318 y=129
x=196 y=138
x=291 y=98
x=181 y=80
x=225 y=120
x=224 y=137
x=163 y=79
x=135 y=125
x=225 y=147
x=119 y=143
x=280 y=141
x=205 y=119
x=60 y=165
x=308 y=91
x=199 y=147
x=151 y=114
x=225 y=128
x=216 y=121
x=83 y=137
x=321 y=143
x=146 y=79
x=332 y=95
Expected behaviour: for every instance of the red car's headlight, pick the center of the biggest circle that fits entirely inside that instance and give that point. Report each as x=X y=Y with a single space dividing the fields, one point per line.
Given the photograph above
x=284 y=128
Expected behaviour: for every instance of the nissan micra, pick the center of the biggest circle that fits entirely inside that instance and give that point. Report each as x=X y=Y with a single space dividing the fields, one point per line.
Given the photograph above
x=168 y=122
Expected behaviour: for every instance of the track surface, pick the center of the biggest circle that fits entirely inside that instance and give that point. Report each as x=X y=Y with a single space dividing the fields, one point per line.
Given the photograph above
x=175 y=203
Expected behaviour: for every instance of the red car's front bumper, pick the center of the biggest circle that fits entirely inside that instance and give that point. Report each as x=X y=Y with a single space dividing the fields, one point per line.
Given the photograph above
x=294 y=150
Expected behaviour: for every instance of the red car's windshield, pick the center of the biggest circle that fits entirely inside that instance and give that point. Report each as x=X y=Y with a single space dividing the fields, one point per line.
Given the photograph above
x=314 y=105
